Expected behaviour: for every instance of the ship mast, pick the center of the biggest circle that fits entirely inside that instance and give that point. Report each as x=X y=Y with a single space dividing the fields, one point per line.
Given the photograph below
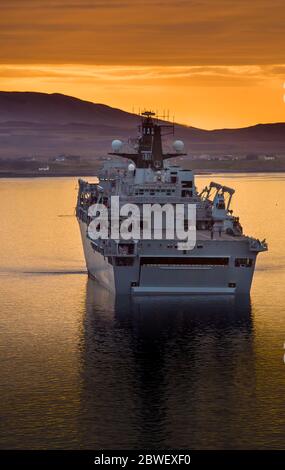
x=150 y=153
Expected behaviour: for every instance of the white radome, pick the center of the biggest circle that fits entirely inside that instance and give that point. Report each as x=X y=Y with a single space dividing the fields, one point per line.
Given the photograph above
x=117 y=145
x=131 y=167
x=178 y=145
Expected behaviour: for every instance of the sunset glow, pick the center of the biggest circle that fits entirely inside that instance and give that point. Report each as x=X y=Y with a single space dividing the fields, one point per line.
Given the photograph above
x=211 y=64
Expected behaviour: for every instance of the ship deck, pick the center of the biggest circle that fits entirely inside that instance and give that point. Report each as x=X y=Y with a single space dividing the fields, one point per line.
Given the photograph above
x=202 y=235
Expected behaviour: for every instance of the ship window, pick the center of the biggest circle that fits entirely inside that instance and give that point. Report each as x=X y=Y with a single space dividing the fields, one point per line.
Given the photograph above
x=124 y=261
x=126 y=248
x=186 y=184
x=202 y=225
x=182 y=261
x=243 y=262
x=186 y=193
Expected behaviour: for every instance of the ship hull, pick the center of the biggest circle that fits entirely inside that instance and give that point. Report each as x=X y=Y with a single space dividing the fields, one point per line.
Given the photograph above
x=97 y=265
x=145 y=277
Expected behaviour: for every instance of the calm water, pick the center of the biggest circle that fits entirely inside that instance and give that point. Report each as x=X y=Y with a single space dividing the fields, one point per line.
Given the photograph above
x=81 y=370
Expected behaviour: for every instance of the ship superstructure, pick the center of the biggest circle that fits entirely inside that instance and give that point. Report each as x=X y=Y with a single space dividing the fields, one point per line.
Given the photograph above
x=223 y=258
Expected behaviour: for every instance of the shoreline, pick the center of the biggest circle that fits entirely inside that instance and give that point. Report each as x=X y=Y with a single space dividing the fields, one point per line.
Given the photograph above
x=12 y=174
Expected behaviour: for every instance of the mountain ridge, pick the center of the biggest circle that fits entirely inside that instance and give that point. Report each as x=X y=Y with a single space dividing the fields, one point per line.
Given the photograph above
x=49 y=124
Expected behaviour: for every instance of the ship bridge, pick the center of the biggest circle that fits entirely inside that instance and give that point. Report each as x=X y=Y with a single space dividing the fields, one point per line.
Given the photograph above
x=150 y=153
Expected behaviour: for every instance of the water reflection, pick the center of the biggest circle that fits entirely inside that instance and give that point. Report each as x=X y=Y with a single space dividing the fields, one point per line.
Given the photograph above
x=79 y=369
x=161 y=372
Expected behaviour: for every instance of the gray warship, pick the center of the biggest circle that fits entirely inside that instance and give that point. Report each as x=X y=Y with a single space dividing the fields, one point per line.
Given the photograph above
x=223 y=259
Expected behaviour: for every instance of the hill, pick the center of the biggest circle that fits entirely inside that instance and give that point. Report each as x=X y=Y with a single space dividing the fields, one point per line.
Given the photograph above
x=46 y=125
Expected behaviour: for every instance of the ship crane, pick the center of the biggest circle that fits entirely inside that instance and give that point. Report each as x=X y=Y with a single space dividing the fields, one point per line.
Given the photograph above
x=220 y=189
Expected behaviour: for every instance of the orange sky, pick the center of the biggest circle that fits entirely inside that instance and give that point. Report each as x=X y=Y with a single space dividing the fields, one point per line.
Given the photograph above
x=211 y=63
